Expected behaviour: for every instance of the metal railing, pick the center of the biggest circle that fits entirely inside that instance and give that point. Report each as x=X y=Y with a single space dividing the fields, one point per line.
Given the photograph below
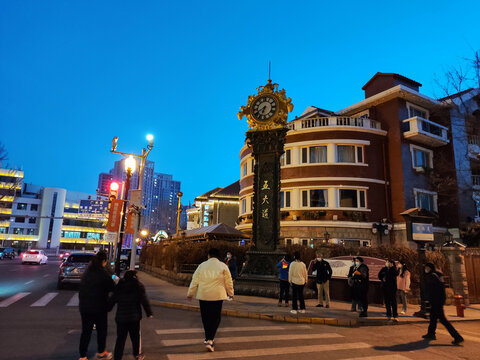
x=334 y=121
x=476 y=180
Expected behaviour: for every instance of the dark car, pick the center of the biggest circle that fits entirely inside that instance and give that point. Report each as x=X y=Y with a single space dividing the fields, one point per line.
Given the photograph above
x=73 y=267
x=7 y=253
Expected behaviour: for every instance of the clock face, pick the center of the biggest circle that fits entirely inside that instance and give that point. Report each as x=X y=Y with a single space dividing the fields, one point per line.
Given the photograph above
x=264 y=108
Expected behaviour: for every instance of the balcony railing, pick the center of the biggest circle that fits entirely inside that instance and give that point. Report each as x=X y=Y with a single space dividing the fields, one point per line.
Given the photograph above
x=476 y=181
x=425 y=131
x=334 y=121
x=474 y=140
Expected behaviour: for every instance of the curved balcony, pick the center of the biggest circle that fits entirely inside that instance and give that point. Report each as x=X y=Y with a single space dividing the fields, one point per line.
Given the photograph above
x=335 y=121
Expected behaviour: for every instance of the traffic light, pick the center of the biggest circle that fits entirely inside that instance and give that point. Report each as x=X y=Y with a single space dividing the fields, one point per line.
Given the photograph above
x=113 y=191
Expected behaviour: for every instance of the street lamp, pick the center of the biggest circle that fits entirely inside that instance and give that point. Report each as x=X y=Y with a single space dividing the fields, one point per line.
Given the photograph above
x=326 y=236
x=144 y=232
x=130 y=165
x=179 y=210
x=447 y=235
x=143 y=159
x=381 y=228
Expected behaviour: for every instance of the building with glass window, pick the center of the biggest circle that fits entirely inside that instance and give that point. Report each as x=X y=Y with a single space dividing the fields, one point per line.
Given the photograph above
x=343 y=172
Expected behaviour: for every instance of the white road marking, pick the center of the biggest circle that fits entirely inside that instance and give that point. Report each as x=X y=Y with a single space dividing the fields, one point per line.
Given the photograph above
x=44 y=300
x=247 y=339
x=269 y=351
x=381 y=357
x=73 y=301
x=29 y=282
x=13 y=299
x=466 y=337
x=229 y=329
x=46 y=275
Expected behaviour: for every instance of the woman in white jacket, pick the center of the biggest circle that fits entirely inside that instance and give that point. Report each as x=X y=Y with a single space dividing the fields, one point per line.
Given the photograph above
x=298 y=277
x=211 y=284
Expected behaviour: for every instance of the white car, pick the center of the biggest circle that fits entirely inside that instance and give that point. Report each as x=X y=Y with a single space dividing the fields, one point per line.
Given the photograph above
x=34 y=256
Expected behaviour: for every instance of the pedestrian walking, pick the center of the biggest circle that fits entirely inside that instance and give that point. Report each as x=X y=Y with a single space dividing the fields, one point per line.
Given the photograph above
x=297 y=277
x=130 y=297
x=324 y=274
x=95 y=286
x=435 y=295
x=403 y=285
x=211 y=284
x=231 y=262
x=354 y=291
x=283 y=266
x=361 y=280
x=388 y=278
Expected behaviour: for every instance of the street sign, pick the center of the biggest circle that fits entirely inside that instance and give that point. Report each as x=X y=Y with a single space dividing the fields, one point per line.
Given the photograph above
x=422 y=232
x=93 y=208
x=110 y=236
x=113 y=223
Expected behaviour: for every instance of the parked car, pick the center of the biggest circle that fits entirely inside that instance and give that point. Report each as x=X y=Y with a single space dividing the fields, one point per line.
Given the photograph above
x=7 y=252
x=73 y=267
x=33 y=256
x=64 y=255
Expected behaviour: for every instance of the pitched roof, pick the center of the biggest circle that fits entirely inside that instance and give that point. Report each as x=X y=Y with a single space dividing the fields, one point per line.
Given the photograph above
x=209 y=193
x=456 y=95
x=230 y=190
x=397 y=76
x=217 y=229
x=314 y=111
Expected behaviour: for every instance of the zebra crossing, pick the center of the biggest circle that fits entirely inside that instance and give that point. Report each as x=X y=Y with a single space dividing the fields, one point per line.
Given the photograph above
x=36 y=302
x=264 y=342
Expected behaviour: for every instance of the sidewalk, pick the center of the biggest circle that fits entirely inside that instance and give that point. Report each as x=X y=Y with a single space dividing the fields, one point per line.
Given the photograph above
x=162 y=293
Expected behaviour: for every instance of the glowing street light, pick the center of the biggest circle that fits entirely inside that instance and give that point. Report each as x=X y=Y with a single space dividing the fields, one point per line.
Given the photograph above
x=144 y=232
x=130 y=164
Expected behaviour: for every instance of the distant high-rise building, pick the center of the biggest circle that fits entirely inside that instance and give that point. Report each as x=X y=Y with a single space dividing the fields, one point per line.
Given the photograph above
x=164 y=203
x=104 y=180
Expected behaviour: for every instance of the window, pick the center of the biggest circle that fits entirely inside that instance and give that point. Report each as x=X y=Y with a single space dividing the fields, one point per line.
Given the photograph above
x=21 y=206
x=352 y=198
x=304 y=155
x=288 y=241
x=305 y=242
x=253 y=166
x=20 y=219
x=421 y=158
x=284 y=199
x=349 y=154
x=32 y=220
x=244 y=206
x=33 y=207
x=251 y=203
x=245 y=169
x=315 y=198
x=416 y=111
x=425 y=200
x=30 y=231
x=318 y=154
x=18 y=231
x=288 y=157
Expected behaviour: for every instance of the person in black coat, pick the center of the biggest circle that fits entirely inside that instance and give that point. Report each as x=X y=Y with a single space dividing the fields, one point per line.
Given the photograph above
x=130 y=296
x=324 y=274
x=361 y=278
x=231 y=262
x=354 y=289
x=388 y=278
x=95 y=285
x=435 y=295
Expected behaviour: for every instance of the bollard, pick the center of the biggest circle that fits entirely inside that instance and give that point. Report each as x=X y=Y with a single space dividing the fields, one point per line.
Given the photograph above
x=459 y=305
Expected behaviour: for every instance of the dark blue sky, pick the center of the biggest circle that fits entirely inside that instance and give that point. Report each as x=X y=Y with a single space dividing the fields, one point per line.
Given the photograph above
x=73 y=74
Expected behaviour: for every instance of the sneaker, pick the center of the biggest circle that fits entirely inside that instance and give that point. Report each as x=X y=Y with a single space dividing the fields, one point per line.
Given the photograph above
x=403 y=312
x=327 y=306
x=458 y=341
x=319 y=305
x=395 y=319
x=429 y=337
x=293 y=311
x=105 y=355
x=301 y=311
x=209 y=346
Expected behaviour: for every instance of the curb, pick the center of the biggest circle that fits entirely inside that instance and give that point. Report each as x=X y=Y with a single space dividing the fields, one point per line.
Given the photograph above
x=263 y=316
x=298 y=319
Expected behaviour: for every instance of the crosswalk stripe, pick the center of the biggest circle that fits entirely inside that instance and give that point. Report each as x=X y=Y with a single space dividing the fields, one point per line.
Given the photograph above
x=232 y=354
x=230 y=329
x=74 y=300
x=13 y=299
x=381 y=357
x=44 y=300
x=466 y=337
x=248 y=339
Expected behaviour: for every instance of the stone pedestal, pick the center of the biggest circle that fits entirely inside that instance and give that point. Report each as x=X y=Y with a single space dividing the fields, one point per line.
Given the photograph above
x=458 y=280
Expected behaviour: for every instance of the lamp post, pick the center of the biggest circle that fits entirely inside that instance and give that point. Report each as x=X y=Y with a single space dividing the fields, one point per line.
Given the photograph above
x=381 y=228
x=129 y=168
x=143 y=159
x=326 y=236
x=179 y=211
